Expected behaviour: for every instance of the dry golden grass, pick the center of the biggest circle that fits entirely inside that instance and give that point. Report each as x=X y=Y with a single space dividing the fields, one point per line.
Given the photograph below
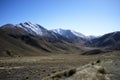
x=36 y=68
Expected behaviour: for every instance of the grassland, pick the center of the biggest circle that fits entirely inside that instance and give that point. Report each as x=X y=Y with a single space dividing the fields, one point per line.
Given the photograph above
x=39 y=67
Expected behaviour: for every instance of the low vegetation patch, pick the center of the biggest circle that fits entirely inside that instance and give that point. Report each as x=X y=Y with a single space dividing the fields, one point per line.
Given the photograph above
x=98 y=61
x=101 y=70
x=63 y=74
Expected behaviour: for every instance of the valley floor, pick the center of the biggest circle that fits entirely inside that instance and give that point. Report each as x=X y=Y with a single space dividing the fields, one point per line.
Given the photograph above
x=37 y=68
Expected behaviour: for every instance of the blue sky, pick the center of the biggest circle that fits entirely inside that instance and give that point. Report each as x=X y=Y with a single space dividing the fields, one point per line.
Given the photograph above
x=90 y=17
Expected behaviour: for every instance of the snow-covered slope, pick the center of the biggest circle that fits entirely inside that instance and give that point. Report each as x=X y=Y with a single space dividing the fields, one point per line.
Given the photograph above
x=56 y=34
x=33 y=29
x=69 y=33
x=78 y=34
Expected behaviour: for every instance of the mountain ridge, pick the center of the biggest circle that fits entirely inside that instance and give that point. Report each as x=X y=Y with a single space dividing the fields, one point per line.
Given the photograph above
x=48 y=43
x=41 y=40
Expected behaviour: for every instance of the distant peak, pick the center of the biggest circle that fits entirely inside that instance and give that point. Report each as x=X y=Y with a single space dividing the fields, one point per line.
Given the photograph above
x=68 y=33
x=34 y=29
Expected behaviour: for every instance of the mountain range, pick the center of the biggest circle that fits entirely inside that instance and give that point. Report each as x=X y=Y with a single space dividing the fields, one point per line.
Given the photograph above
x=28 y=39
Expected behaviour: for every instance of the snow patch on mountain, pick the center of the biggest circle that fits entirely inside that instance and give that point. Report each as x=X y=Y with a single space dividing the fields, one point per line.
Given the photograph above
x=78 y=34
x=59 y=31
x=69 y=33
x=33 y=29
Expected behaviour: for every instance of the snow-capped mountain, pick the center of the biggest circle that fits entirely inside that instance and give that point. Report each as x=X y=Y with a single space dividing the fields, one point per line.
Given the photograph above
x=49 y=35
x=33 y=29
x=37 y=36
x=69 y=33
x=28 y=38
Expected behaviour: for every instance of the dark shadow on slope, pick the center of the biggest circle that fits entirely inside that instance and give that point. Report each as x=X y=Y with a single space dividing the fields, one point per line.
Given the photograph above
x=30 y=41
x=93 y=52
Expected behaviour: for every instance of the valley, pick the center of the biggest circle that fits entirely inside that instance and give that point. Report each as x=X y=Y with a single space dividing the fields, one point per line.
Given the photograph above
x=60 y=40
x=30 y=52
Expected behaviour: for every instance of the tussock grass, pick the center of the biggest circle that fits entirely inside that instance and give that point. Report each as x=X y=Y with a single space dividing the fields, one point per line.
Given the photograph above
x=101 y=70
x=63 y=74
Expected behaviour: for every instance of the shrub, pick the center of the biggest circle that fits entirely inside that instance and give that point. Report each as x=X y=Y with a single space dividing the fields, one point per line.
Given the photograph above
x=27 y=77
x=71 y=72
x=102 y=71
x=98 y=61
x=59 y=75
x=66 y=73
x=44 y=70
x=92 y=63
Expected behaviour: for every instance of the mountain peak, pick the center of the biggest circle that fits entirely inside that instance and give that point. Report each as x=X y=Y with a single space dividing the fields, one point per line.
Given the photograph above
x=31 y=28
x=68 y=33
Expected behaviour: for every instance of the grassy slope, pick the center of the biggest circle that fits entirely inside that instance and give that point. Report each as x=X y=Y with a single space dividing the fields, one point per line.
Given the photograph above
x=13 y=47
x=16 y=47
